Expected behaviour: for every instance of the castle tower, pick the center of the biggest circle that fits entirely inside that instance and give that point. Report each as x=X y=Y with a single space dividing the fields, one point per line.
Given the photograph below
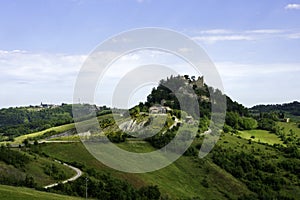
x=200 y=82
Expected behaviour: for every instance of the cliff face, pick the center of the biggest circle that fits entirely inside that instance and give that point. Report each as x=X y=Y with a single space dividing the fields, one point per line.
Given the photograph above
x=132 y=126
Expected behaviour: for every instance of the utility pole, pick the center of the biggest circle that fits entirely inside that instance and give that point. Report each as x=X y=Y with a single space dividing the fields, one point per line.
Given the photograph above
x=86 y=188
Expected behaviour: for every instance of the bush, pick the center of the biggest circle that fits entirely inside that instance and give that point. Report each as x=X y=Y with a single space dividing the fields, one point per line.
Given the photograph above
x=14 y=158
x=150 y=192
x=204 y=183
x=227 y=129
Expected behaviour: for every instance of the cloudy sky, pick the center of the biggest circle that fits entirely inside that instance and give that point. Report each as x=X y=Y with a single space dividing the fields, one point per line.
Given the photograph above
x=255 y=45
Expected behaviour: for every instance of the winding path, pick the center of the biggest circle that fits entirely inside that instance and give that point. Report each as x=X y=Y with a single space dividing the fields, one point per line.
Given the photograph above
x=78 y=174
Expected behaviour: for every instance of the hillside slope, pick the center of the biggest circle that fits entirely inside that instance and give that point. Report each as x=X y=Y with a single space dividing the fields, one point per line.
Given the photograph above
x=17 y=193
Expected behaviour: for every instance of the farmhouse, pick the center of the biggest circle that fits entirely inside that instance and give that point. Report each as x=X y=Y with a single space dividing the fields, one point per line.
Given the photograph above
x=158 y=109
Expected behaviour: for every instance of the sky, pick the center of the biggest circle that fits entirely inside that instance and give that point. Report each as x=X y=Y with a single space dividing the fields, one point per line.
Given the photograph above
x=255 y=45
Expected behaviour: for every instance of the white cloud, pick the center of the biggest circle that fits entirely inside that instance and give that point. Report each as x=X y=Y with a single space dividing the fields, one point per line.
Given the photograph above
x=32 y=77
x=215 y=31
x=35 y=67
x=266 y=31
x=292 y=6
x=294 y=36
x=212 y=36
x=29 y=78
x=216 y=38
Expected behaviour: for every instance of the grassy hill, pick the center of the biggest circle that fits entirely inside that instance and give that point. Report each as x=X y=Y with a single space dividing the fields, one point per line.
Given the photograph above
x=188 y=177
x=57 y=129
x=42 y=170
x=182 y=179
x=290 y=126
x=17 y=193
x=191 y=177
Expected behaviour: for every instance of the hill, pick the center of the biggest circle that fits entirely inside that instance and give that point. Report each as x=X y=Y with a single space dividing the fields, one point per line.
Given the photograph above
x=17 y=193
x=288 y=109
x=256 y=157
x=181 y=180
x=236 y=168
x=23 y=167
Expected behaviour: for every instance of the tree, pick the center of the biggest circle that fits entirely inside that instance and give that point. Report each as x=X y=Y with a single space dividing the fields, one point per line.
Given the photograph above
x=35 y=143
x=26 y=142
x=266 y=124
x=29 y=181
x=232 y=119
x=150 y=192
x=248 y=123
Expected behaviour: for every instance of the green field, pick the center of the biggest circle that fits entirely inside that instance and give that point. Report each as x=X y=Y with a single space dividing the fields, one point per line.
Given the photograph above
x=18 y=193
x=136 y=146
x=58 y=129
x=267 y=137
x=260 y=136
x=182 y=179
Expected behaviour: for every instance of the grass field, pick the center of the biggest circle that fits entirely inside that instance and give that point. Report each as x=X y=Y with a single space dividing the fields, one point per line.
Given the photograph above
x=59 y=129
x=260 y=136
x=18 y=193
x=136 y=146
x=182 y=179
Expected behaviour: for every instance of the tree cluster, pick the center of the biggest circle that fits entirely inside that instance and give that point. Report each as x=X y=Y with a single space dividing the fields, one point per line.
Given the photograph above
x=266 y=177
x=105 y=187
x=15 y=158
x=20 y=121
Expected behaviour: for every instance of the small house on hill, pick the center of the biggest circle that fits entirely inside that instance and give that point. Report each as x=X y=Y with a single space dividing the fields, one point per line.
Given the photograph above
x=158 y=109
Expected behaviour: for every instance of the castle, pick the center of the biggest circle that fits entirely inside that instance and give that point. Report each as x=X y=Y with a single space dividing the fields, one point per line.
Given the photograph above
x=199 y=82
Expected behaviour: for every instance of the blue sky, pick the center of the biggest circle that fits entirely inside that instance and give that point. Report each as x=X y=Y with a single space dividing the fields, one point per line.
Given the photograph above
x=255 y=45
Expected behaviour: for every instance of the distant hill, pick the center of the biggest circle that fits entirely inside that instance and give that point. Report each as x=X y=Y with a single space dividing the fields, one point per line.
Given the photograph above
x=287 y=108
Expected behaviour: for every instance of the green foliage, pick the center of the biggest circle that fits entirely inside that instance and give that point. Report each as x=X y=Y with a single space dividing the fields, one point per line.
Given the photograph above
x=20 y=121
x=185 y=184
x=291 y=108
x=149 y=192
x=233 y=106
x=234 y=120
x=204 y=182
x=117 y=137
x=266 y=124
x=135 y=111
x=227 y=129
x=29 y=182
x=54 y=171
x=15 y=158
x=261 y=176
x=248 y=123
x=203 y=124
x=106 y=187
